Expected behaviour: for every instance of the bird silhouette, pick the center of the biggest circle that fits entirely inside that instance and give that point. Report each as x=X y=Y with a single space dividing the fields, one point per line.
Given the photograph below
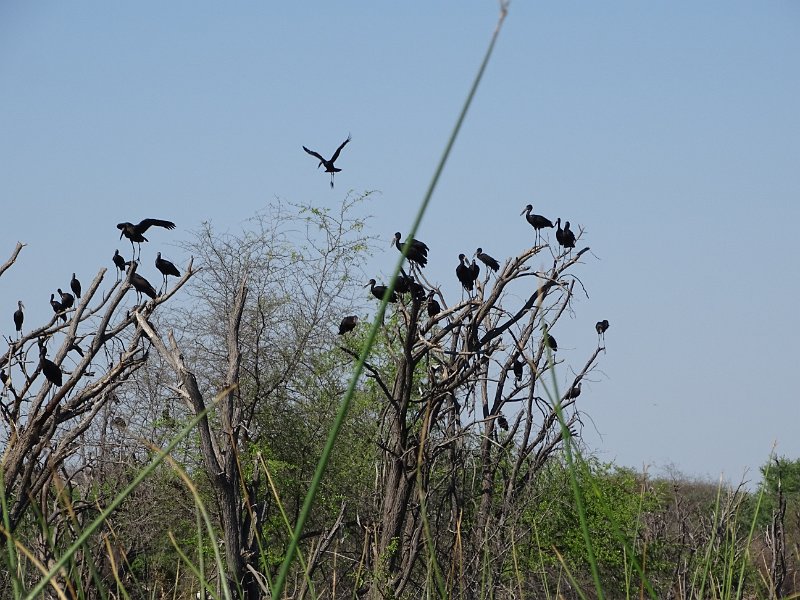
x=417 y=251
x=538 y=222
x=348 y=324
x=328 y=164
x=119 y=262
x=379 y=290
x=58 y=308
x=502 y=422
x=166 y=268
x=19 y=316
x=75 y=286
x=573 y=392
x=49 y=368
x=487 y=260
x=518 y=367
x=433 y=305
x=551 y=342
x=564 y=237
x=142 y=286
x=464 y=273
x=474 y=271
x=600 y=327
x=67 y=299
x=135 y=233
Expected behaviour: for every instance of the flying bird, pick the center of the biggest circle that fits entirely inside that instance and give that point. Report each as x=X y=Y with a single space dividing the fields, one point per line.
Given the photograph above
x=417 y=251
x=487 y=260
x=379 y=290
x=348 y=324
x=75 y=286
x=538 y=222
x=166 y=268
x=19 y=316
x=135 y=233
x=328 y=164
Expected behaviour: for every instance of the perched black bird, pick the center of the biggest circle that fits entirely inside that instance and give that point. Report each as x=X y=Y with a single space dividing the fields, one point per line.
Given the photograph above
x=328 y=164
x=19 y=316
x=58 y=308
x=135 y=233
x=464 y=273
x=75 y=286
x=404 y=283
x=573 y=392
x=6 y=380
x=379 y=290
x=417 y=251
x=119 y=262
x=600 y=327
x=537 y=221
x=142 y=286
x=564 y=237
x=348 y=324
x=474 y=271
x=518 y=366
x=551 y=342
x=502 y=422
x=487 y=260
x=433 y=305
x=67 y=299
x=166 y=268
x=49 y=368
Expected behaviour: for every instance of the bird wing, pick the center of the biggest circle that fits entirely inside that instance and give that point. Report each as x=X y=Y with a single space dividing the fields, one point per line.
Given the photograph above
x=315 y=154
x=339 y=149
x=145 y=224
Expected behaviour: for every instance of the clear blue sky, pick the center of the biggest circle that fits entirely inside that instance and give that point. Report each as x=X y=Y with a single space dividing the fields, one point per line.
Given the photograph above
x=670 y=131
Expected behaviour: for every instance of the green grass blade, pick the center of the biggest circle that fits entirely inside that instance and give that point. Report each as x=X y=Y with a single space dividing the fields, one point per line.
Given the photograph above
x=344 y=407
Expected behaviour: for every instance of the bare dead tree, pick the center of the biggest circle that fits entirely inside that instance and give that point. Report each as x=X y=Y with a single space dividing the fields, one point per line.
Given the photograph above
x=96 y=346
x=449 y=387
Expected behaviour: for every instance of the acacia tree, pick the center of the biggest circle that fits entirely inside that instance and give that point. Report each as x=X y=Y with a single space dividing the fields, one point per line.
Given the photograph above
x=94 y=347
x=449 y=456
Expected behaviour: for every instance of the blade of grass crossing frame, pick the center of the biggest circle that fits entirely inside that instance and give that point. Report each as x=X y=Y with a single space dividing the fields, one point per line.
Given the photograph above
x=283 y=573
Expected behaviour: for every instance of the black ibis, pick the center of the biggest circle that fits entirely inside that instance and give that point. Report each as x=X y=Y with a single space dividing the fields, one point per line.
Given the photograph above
x=464 y=273
x=142 y=286
x=348 y=324
x=417 y=251
x=565 y=237
x=58 y=308
x=75 y=286
x=328 y=164
x=537 y=221
x=67 y=299
x=600 y=327
x=433 y=305
x=404 y=283
x=502 y=422
x=573 y=392
x=135 y=233
x=474 y=271
x=487 y=260
x=166 y=268
x=379 y=290
x=551 y=342
x=518 y=366
x=49 y=368
x=19 y=316
x=119 y=262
